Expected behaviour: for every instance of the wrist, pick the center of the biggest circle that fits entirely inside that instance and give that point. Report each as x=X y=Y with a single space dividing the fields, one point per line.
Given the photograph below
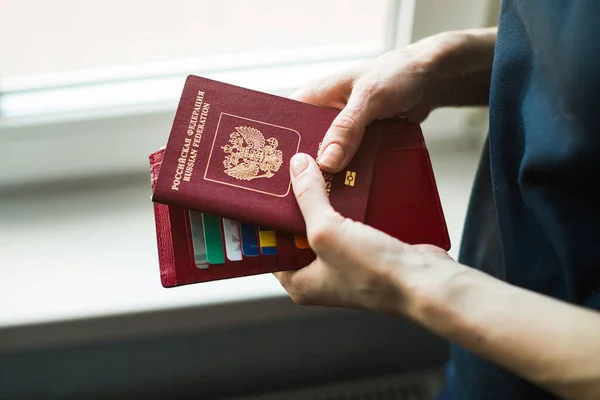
x=431 y=290
x=459 y=65
x=463 y=52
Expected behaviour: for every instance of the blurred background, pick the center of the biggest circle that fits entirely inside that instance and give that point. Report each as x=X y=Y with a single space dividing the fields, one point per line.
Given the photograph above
x=87 y=90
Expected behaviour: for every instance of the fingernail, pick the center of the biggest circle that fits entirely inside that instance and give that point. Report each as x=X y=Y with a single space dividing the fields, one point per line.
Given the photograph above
x=298 y=164
x=332 y=156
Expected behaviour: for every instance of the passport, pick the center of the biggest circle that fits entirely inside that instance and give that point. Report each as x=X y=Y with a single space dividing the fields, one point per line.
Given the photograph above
x=229 y=152
x=228 y=155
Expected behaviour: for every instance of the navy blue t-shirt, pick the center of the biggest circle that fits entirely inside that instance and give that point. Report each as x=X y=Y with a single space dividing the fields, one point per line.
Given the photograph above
x=534 y=213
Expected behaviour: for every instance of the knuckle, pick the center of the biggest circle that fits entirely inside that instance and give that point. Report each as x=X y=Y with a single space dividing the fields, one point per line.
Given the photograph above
x=320 y=237
x=344 y=225
x=303 y=188
x=376 y=91
x=371 y=88
x=323 y=236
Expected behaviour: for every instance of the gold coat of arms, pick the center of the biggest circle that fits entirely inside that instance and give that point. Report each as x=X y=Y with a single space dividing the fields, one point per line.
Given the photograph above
x=249 y=156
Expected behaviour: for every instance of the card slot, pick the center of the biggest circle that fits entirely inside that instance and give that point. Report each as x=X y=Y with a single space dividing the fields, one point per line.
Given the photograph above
x=267 y=239
x=248 y=266
x=269 y=262
x=304 y=257
x=302 y=251
x=285 y=251
x=249 y=240
x=231 y=265
x=197 y=243
x=180 y=268
x=213 y=237
x=232 y=239
x=176 y=252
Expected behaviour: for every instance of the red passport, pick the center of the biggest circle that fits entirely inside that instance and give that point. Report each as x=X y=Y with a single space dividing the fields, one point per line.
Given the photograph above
x=228 y=155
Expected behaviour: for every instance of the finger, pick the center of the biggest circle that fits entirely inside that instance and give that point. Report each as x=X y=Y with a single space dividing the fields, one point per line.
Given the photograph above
x=346 y=131
x=300 y=284
x=309 y=188
x=331 y=91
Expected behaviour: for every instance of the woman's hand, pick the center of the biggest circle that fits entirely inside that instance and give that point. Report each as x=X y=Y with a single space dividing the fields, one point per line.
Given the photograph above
x=447 y=69
x=356 y=266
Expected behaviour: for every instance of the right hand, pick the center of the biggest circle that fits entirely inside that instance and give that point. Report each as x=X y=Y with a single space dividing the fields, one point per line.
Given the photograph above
x=401 y=82
x=357 y=266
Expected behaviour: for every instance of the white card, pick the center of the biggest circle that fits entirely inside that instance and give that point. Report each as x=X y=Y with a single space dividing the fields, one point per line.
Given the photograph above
x=233 y=244
x=198 y=239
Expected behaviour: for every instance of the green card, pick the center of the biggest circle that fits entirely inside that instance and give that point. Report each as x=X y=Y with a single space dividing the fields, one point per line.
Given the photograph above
x=213 y=239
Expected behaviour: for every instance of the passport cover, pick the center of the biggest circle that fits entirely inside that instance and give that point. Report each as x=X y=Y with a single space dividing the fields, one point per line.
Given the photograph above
x=216 y=162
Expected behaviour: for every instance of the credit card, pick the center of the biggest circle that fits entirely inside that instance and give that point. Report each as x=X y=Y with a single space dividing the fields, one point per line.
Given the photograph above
x=303 y=253
x=198 y=239
x=212 y=237
x=268 y=241
x=301 y=242
x=233 y=243
x=249 y=240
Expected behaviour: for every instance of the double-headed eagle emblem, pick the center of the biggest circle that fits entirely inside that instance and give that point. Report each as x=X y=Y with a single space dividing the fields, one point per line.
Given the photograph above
x=249 y=157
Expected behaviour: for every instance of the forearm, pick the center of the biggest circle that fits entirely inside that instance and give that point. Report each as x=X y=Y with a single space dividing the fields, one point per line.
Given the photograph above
x=550 y=343
x=462 y=67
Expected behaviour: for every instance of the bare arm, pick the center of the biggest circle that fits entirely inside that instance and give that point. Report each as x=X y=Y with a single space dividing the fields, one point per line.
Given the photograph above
x=548 y=342
x=464 y=72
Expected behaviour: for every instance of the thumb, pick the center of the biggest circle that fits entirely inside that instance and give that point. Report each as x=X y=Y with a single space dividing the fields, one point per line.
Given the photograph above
x=346 y=131
x=309 y=188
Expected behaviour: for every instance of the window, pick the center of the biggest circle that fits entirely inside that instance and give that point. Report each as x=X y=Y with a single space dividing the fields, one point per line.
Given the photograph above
x=68 y=55
x=71 y=68
x=90 y=88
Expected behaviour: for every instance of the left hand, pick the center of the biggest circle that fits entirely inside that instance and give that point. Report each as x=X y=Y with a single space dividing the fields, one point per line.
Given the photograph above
x=357 y=266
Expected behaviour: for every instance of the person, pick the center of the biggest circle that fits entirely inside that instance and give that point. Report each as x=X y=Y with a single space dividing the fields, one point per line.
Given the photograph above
x=519 y=307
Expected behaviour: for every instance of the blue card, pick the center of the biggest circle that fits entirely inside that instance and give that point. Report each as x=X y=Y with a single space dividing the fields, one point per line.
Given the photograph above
x=249 y=240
